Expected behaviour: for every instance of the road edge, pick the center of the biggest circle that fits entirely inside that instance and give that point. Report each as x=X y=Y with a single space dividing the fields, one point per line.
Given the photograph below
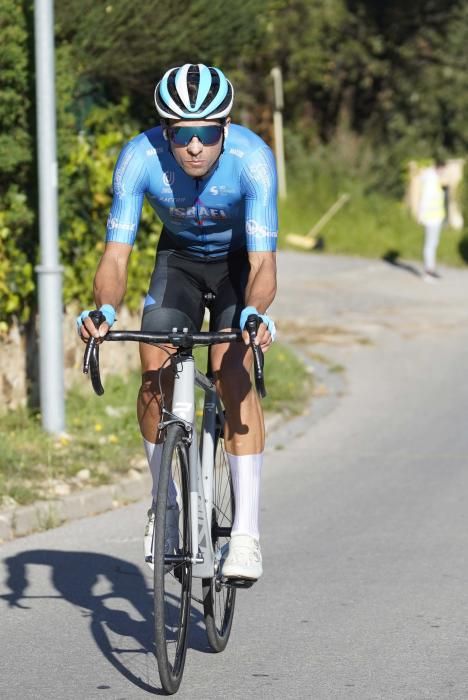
x=20 y=521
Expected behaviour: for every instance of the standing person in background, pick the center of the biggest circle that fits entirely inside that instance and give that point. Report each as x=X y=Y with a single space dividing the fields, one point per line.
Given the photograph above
x=431 y=215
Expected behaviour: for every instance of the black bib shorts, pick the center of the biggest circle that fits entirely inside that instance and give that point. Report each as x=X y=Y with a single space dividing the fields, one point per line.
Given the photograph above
x=182 y=286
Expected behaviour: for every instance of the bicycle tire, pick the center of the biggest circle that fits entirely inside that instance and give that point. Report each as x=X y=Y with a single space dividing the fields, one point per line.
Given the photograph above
x=218 y=598
x=172 y=582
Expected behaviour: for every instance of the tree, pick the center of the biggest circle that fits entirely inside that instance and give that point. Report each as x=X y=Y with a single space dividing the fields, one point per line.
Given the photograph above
x=16 y=157
x=122 y=53
x=393 y=74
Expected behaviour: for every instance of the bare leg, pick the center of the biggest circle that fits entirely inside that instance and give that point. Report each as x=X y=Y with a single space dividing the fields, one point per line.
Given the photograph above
x=245 y=434
x=154 y=371
x=157 y=375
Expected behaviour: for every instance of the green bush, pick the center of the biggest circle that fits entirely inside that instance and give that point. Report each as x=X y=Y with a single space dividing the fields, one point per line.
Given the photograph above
x=86 y=161
x=16 y=147
x=85 y=203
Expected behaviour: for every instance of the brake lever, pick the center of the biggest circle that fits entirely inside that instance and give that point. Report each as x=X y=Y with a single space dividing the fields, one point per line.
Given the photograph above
x=91 y=356
x=252 y=324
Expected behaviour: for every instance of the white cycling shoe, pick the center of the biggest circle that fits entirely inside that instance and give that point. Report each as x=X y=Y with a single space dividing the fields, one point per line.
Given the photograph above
x=172 y=533
x=244 y=560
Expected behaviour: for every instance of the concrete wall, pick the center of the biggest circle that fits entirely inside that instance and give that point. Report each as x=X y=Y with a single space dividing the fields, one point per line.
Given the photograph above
x=19 y=358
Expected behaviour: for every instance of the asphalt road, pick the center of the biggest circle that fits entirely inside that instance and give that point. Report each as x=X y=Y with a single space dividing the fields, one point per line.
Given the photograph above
x=364 y=525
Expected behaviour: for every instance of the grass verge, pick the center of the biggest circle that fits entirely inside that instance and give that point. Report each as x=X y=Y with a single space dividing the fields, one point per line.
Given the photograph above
x=102 y=441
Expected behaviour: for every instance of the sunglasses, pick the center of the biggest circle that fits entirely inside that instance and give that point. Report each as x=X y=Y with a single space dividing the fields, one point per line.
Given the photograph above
x=208 y=135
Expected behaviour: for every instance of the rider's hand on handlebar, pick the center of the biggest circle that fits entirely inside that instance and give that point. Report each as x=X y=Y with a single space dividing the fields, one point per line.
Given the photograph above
x=263 y=337
x=95 y=323
x=266 y=331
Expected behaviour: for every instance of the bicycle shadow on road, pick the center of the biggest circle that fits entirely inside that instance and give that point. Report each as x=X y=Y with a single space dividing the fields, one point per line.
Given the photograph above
x=114 y=594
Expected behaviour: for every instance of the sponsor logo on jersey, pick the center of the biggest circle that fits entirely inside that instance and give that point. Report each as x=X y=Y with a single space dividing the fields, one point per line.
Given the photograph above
x=168 y=178
x=237 y=152
x=169 y=200
x=119 y=187
x=220 y=189
x=198 y=213
x=254 y=228
x=115 y=223
x=154 y=151
x=260 y=174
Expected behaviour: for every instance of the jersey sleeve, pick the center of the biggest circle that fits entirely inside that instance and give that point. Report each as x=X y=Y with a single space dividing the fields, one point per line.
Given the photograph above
x=259 y=186
x=129 y=185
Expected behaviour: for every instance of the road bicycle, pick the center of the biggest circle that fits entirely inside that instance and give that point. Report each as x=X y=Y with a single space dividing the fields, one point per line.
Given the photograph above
x=195 y=502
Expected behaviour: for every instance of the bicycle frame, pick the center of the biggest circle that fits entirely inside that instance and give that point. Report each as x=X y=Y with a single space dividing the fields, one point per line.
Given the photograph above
x=186 y=376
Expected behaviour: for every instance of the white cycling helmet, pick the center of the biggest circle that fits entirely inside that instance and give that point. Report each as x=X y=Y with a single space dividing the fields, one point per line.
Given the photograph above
x=194 y=91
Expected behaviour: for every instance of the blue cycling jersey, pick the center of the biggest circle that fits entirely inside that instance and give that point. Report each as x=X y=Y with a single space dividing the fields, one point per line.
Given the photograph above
x=233 y=207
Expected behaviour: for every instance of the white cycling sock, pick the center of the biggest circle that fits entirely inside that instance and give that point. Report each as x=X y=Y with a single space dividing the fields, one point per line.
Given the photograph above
x=246 y=474
x=153 y=455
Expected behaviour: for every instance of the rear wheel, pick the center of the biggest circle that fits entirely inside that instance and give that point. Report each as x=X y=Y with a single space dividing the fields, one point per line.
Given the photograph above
x=219 y=598
x=172 y=565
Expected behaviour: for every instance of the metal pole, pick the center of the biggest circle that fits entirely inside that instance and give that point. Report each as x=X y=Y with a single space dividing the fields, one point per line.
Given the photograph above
x=278 y=130
x=51 y=375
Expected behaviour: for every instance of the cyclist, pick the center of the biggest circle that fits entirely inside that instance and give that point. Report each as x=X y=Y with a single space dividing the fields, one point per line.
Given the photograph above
x=213 y=185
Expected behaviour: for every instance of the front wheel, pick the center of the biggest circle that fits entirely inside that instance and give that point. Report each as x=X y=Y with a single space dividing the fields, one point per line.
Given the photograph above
x=172 y=560
x=218 y=598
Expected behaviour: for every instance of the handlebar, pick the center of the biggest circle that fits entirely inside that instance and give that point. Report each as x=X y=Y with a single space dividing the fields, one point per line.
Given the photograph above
x=180 y=339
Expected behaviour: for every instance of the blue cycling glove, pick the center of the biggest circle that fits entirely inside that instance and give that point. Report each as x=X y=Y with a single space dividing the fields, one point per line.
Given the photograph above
x=106 y=309
x=269 y=323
